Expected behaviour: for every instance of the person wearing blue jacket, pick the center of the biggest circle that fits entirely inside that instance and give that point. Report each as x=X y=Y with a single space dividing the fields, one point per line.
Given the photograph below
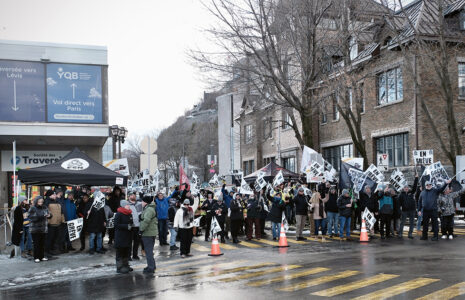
x=428 y=208
x=70 y=213
x=162 y=206
x=386 y=209
x=227 y=198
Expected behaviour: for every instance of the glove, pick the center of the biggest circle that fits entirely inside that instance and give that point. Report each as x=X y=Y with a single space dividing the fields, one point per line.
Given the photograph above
x=129 y=227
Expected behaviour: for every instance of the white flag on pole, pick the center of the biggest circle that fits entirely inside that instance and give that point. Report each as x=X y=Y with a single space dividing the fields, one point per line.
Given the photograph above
x=279 y=178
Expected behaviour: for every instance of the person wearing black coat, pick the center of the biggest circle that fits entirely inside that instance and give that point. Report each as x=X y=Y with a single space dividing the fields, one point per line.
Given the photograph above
x=236 y=215
x=207 y=206
x=123 y=238
x=332 y=212
x=96 y=222
x=407 y=203
x=18 y=220
x=114 y=202
x=39 y=215
x=220 y=211
x=82 y=213
x=275 y=214
x=253 y=217
x=369 y=200
x=301 y=211
x=344 y=203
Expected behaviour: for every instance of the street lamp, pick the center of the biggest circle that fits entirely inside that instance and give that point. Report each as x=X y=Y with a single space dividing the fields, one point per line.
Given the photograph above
x=118 y=134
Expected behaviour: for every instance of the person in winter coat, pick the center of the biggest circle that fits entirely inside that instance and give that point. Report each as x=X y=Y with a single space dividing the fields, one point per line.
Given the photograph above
x=301 y=211
x=227 y=198
x=220 y=212
x=319 y=213
x=406 y=200
x=162 y=205
x=136 y=208
x=82 y=213
x=114 y=201
x=369 y=200
x=18 y=223
x=123 y=238
x=54 y=224
x=149 y=229
x=174 y=206
x=96 y=223
x=344 y=203
x=428 y=208
x=183 y=223
x=253 y=217
x=207 y=206
x=264 y=208
x=275 y=214
x=386 y=209
x=332 y=212
x=39 y=216
x=446 y=203
x=237 y=216
x=70 y=214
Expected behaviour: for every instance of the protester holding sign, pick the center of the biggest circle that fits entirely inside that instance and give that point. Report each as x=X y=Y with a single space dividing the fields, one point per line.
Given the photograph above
x=162 y=206
x=82 y=213
x=114 y=200
x=227 y=197
x=136 y=208
x=149 y=230
x=369 y=200
x=39 y=216
x=207 y=206
x=447 y=207
x=54 y=224
x=332 y=212
x=220 y=212
x=96 y=223
x=386 y=209
x=301 y=211
x=236 y=214
x=253 y=217
x=183 y=223
x=319 y=213
x=275 y=214
x=428 y=208
x=123 y=238
x=174 y=206
x=406 y=201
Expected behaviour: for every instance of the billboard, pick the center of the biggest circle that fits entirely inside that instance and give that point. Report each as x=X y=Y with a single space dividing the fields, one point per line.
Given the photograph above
x=74 y=93
x=22 y=91
x=30 y=159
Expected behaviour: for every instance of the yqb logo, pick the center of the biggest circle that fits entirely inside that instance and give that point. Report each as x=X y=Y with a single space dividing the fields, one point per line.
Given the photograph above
x=67 y=75
x=18 y=160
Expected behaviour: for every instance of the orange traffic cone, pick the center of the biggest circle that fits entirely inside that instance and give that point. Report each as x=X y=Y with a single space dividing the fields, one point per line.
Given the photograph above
x=364 y=233
x=282 y=238
x=215 y=248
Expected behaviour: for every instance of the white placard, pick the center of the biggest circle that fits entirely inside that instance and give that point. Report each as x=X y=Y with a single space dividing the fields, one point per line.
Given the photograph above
x=279 y=178
x=423 y=157
x=382 y=160
x=120 y=166
x=75 y=228
x=397 y=180
x=374 y=173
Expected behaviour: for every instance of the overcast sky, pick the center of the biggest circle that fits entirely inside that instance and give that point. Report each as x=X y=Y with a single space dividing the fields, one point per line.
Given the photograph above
x=150 y=80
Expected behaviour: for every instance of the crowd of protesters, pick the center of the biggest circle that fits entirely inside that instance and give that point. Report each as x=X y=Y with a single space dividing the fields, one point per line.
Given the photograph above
x=41 y=232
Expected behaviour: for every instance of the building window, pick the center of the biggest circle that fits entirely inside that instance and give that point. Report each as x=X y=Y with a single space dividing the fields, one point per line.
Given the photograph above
x=397 y=147
x=324 y=113
x=268 y=160
x=248 y=134
x=362 y=97
x=289 y=163
x=287 y=121
x=461 y=79
x=248 y=167
x=267 y=128
x=335 y=109
x=390 y=86
x=334 y=154
x=353 y=48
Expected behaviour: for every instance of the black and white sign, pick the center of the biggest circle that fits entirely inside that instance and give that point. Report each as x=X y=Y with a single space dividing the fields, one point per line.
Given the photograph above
x=423 y=157
x=111 y=222
x=437 y=174
x=397 y=180
x=383 y=161
x=75 y=228
x=369 y=218
x=279 y=178
x=374 y=173
x=245 y=188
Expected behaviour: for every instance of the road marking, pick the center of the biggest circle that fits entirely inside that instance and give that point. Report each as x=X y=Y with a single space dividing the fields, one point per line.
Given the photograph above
x=318 y=281
x=272 y=243
x=260 y=273
x=228 y=247
x=208 y=267
x=250 y=245
x=287 y=277
x=174 y=261
x=354 y=285
x=296 y=242
x=234 y=270
x=206 y=261
x=397 y=289
x=200 y=248
x=447 y=293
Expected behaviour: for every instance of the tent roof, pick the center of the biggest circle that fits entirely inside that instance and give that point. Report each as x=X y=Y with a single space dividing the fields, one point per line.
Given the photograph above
x=271 y=170
x=76 y=168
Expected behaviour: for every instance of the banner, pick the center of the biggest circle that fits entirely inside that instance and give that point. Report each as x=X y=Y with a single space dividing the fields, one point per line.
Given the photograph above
x=195 y=185
x=111 y=222
x=245 y=188
x=374 y=173
x=260 y=183
x=423 y=157
x=353 y=178
x=306 y=158
x=120 y=166
x=397 y=180
x=182 y=178
x=279 y=178
x=356 y=162
x=214 y=181
x=75 y=228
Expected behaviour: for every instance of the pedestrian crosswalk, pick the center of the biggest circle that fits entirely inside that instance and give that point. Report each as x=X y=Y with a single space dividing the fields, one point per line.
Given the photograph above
x=313 y=281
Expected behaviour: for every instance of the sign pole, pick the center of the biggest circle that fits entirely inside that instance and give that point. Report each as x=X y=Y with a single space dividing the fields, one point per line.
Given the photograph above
x=14 y=172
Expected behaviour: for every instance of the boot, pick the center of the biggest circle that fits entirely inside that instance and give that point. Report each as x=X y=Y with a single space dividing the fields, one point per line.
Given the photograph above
x=119 y=265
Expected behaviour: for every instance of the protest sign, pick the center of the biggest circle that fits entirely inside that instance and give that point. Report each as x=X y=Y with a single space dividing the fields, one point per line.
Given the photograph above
x=306 y=158
x=245 y=188
x=195 y=184
x=436 y=174
x=111 y=222
x=120 y=166
x=214 y=181
x=260 y=183
x=279 y=178
x=374 y=173
x=284 y=222
x=397 y=180
x=369 y=218
x=197 y=222
x=356 y=162
x=215 y=227
x=99 y=200
x=423 y=157
x=383 y=161
x=75 y=228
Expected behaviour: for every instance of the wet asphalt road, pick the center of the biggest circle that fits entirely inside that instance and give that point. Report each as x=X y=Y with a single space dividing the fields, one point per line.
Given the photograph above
x=397 y=269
